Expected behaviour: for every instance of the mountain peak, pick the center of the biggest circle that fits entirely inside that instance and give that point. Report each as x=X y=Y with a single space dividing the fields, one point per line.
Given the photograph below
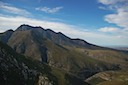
x=56 y=37
x=24 y=27
x=10 y=30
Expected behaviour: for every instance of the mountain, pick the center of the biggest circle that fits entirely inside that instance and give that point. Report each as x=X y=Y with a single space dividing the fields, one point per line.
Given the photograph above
x=4 y=37
x=18 y=69
x=121 y=48
x=74 y=56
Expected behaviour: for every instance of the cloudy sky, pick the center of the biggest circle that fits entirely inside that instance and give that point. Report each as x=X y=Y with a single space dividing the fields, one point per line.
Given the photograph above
x=101 y=22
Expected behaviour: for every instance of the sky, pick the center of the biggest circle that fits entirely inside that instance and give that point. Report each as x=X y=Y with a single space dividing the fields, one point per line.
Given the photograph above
x=100 y=22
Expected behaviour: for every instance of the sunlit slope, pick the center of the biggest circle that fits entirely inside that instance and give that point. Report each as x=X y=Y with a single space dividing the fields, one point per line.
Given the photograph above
x=109 y=78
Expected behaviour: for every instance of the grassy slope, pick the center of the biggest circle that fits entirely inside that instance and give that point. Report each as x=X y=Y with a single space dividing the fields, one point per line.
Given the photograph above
x=109 y=78
x=118 y=78
x=74 y=61
x=109 y=56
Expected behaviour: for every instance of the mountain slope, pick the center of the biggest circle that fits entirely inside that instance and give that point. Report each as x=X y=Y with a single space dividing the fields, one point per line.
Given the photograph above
x=17 y=69
x=75 y=56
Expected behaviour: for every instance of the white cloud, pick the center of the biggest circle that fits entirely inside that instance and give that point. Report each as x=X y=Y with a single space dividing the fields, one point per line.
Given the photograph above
x=9 y=22
x=103 y=8
x=49 y=10
x=109 y=2
x=120 y=7
x=109 y=29
x=14 y=10
x=105 y=1
x=119 y=19
x=1 y=31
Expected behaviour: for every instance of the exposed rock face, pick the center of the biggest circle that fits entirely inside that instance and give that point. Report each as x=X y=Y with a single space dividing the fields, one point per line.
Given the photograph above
x=43 y=80
x=14 y=70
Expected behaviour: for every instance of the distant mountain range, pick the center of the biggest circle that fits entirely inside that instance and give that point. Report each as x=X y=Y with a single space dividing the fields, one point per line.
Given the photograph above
x=124 y=48
x=74 y=56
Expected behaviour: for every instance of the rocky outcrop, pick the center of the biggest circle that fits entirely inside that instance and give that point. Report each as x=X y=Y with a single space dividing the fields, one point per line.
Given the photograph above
x=43 y=80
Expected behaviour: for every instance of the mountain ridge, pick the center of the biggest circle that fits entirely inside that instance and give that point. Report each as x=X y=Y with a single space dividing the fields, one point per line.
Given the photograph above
x=25 y=27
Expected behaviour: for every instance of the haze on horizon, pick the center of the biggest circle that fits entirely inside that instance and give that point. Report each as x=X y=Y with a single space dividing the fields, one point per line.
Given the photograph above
x=101 y=22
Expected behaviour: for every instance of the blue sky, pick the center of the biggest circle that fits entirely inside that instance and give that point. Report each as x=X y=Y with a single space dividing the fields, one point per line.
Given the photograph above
x=101 y=22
